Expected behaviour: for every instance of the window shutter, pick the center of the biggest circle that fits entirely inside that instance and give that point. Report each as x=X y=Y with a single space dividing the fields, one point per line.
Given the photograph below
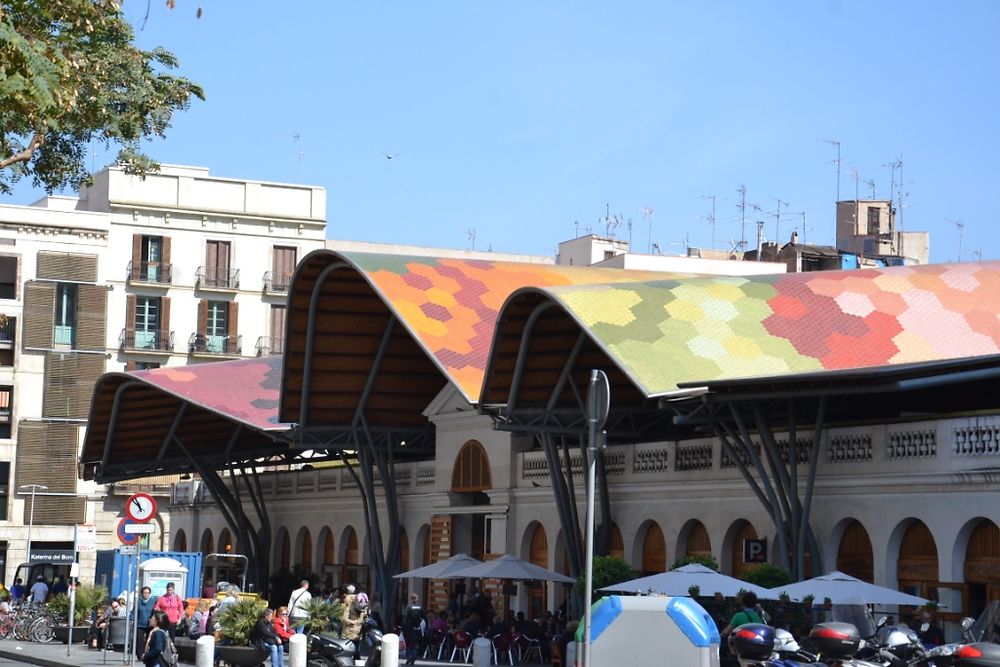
x=69 y=384
x=136 y=256
x=167 y=270
x=47 y=454
x=234 y=311
x=130 y=305
x=130 y=365
x=67 y=266
x=39 y=314
x=165 y=318
x=92 y=320
x=203 y=317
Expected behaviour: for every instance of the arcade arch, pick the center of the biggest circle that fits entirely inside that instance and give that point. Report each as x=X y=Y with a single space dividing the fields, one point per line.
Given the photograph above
x=917 y=560
x=732 y=553
x=981 y=565
x=654 y=549
x=282 y=551
x=538 y=554
x=207 y=543
x=471 y=473
x=617 y=543
x=854 y=556
x=180 y=540
x=303 y=550
x=225 y=541
x=694 y=540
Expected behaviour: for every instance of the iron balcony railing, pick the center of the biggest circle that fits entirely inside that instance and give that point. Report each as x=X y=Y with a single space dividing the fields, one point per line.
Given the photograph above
x=201 y=343
x=8 y=331
x=220 y=277
x=277 y=281
x=268 y=345
x=149 y=272
x=146 y=341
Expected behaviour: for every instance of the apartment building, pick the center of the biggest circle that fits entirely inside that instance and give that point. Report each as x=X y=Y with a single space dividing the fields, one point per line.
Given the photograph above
x=181 y=267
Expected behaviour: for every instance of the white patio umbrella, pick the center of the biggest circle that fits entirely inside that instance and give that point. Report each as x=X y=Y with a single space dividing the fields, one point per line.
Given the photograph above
x=443 y=569
x=844 y=589
x=677 y=582
x=512 y=567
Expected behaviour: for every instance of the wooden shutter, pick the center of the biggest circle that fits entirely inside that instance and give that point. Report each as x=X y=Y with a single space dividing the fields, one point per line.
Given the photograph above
x=69 y=384
x=211 y=262
x=130 y=306
x=165 y=319
x=136 y=256
x=47 y=454
x=67 y=266
x=233 y=319
x=39 y=314
x=202 y=317
x=131 y=366
x=166 y=272
x=438 y=590
x=223 y=262
x=91 y=318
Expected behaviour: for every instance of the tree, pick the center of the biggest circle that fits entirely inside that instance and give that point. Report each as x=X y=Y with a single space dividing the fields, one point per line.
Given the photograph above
x=607 y=570
x=767 y=576
x=707 y=560
x=70 y=74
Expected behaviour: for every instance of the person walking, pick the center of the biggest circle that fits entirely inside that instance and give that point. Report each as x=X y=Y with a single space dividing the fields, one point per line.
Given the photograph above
x=413 y=628
x=263 y=636
x=156 y=641
x=297 y=606
x=170 y=604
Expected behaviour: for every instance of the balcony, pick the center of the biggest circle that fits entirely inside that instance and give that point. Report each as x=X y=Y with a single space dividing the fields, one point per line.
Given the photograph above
x=217 y=278
x=269 y=345
x=210 y=345
x=154 y=273
x=132 y=340
x=276 y=282
x=8 y=332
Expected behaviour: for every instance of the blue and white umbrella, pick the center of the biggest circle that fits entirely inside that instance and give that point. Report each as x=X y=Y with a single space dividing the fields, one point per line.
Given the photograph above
x=677 y=583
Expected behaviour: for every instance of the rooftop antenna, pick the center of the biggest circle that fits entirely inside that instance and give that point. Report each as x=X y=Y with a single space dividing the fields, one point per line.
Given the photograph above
x=871 y=184
x=894 y=165
x=834 y=142
x=647 y=212
x=960 y=226
x=611 y=222
x=471 y=234
x=802 y=225
x=656 y=248
x=297 y=138
x=977 y=255
x=711 y=217
x=777 y=218
x=742 y=191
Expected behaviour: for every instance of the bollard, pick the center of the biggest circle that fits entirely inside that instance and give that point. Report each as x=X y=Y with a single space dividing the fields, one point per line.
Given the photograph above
x=390 y=650
x=297 y=649
x=204 y=651
x=482 y=652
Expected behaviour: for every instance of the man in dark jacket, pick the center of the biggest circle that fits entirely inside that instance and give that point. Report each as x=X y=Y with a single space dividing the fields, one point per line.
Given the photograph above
x=413 y=628
x=264 y=636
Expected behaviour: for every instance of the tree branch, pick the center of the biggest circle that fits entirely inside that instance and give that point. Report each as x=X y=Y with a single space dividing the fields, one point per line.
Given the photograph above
x=36 y=142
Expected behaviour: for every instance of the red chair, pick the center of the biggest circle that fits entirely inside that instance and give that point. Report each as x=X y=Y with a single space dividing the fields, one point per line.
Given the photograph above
x=461 y=642
x=438 y=639
x=503 y=644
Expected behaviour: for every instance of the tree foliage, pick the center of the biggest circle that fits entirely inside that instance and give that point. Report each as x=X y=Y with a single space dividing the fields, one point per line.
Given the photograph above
x=707 y=560
x=767 y=576
x=607 y=570
x=71 y=74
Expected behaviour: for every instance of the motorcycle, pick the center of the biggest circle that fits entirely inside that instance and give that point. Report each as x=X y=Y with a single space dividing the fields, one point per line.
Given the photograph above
x=759 y=645
x=329 y=650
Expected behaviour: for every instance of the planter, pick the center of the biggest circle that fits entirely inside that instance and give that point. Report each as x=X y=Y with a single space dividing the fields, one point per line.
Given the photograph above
x=241 y=656
x=186 y=649
x=61 y=633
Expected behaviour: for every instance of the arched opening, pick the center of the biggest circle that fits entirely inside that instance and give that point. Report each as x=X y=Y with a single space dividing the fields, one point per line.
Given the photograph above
x=982 y=565
x=698 y=542
x=471 y=473
x=654 y=550
x=617 y=546
x=303 y=551
x=917 y=564
x=404 y=564
x=854 y=557
x=538 y=554
x=351 y=555
x=225 y=541
x=207 y=543
x=283 y=551
x=328 y=552
x=742 y=531
x=180 y=541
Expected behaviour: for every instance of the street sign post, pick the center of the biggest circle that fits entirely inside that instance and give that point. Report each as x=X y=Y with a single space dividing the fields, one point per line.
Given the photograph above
x=598 y=406
x=140 y=508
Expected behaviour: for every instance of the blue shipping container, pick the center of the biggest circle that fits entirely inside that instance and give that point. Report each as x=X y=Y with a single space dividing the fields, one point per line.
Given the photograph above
x=113 y=569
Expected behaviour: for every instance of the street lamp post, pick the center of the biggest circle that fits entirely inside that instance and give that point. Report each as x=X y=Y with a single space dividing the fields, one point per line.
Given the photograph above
x=31 y=514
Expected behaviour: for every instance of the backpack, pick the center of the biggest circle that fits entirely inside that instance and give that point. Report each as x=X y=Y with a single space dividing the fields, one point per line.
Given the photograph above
x=194 y=625
x=168 y=657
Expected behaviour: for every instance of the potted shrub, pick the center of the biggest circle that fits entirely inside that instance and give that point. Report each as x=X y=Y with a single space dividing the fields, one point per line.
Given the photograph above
x=236 y=623
x=88 y=598
x=319 y=615
x=694 y=591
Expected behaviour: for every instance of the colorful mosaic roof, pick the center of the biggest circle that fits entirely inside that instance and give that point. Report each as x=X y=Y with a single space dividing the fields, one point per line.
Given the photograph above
x=666 y=332
x=451 y=305
x=244 y=390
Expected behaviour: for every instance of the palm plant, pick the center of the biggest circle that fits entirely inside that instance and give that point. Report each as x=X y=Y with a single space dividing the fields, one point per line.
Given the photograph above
x=237 y=620
x=319 y=615
x=88 y=598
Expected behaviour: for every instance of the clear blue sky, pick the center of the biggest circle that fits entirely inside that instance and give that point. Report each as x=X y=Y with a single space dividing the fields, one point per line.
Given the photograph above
x=520 y=118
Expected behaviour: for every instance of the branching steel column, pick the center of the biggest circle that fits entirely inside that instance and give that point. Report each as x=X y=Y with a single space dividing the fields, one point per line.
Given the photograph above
x=742 y=467
x=800 y=556
x=770 y=446
x=562 y=504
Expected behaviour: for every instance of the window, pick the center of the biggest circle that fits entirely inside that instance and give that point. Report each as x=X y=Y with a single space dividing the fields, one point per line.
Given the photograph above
x=277 y=329
x=64 y=328
x=147 y=321
x=283 y=267
x=6 y=411
x=152 y=256
x=4 y=489
x=8 y=277
x=146 y=365
x=217 y=327
x=874 y=223
x=217 y=264
x=608 y=254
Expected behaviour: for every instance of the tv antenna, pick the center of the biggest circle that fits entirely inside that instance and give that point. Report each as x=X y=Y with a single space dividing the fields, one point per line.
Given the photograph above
x=802 y=225
x=711 y=217
x=742 y=205
x=894 y=165
x=611 y=222
x=834 y=142
x=977 y=255
x=647 y=213
x=297 y=138
x=471 y=235
x=777 y=219
x=871 y=185
x=960 y=226
x=657 y=249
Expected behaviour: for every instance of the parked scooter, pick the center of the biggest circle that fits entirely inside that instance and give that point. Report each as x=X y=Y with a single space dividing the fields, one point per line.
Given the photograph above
x=329 y=650
x=759 y=645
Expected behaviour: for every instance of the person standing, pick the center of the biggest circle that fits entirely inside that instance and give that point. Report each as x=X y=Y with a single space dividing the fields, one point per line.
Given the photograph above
x=156 y=641
x=297 y=606
x=263 y=636
x=17 y=590
x=170 y=604
x=39 y=590
x=145 y=609
x=413 y=628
